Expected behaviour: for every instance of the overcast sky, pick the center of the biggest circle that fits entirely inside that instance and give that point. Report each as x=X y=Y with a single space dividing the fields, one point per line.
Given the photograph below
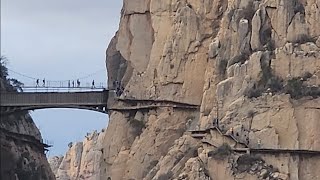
x=59 y=40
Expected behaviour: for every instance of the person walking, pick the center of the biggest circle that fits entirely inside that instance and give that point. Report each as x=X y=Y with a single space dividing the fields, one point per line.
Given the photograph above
x=72 y=83
x=37 y=83
x=44 y=82
x=78 y=83
x=68 y=83
x=93 y=84
x=259 y=143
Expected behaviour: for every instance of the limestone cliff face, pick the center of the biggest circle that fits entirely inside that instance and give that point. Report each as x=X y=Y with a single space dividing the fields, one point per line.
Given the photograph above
x=81 y=161
x=251 y=67
x=22 y=154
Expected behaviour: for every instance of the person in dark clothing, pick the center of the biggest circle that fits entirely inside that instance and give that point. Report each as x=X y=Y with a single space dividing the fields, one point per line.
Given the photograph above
x=44 y=82
x=78 y=83
x=114 y=84
x=118 y=92
x=93 y=84
x=37 y=83
x=68 y=83
x=72 y=83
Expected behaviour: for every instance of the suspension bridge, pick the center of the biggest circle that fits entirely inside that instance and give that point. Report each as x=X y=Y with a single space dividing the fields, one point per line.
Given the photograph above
x=44 y=94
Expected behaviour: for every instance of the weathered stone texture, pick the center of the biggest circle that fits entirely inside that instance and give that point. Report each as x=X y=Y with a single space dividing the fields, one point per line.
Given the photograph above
x=213 y=53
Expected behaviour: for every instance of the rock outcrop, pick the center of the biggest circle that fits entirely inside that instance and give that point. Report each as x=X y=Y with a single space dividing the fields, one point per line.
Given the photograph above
x=244 y=74
x=250 y=67
x=22 y=152
x=82 y=160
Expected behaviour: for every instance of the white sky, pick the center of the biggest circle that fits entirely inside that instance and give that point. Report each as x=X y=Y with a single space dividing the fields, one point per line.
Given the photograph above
x=59 y=40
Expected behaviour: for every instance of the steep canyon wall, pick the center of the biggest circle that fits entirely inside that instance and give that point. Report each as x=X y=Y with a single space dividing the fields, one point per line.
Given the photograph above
x=243 y=73
x=234 y=59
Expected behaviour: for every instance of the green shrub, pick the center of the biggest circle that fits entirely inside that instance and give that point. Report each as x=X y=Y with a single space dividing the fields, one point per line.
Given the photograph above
x=275 y=84
x=248 y=12
x=304 y=38
x=254 y=92
x=238 y=59
x=245 y=162
x=221 y=152
x=298 y=7
x=306 y=75
x=294 y=87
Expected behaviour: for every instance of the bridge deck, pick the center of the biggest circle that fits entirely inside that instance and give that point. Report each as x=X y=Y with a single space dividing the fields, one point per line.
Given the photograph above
x=15 y=99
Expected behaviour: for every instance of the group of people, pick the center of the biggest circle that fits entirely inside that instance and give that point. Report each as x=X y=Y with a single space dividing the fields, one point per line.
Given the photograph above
x=43 y=83
x=69 y=83
x=73 y=84
x=118 y=87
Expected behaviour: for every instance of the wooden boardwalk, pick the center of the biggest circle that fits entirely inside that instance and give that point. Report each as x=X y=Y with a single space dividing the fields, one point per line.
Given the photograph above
x=201 y=134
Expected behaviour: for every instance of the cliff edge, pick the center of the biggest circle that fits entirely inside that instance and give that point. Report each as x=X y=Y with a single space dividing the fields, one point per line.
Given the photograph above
x=248 y=68
x=22 y=151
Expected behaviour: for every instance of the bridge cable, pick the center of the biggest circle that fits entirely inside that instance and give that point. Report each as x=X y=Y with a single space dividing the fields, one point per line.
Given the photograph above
x=21 y=74
x=33 y=78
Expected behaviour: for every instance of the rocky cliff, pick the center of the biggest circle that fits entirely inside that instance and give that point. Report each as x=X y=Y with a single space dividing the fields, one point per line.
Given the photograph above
x=213 y=89
x=82 y=160
x=22 y=152
x=243 y=73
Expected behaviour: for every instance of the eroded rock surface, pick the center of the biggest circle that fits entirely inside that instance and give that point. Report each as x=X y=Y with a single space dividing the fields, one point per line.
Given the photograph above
x=82 y=160
x=22 y=149
x=250 y=67
x=237 y=61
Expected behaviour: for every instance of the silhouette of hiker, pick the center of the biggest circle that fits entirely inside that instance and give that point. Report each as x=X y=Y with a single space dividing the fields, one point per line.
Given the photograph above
x=118 y=92
x=44 y=82
x=259 y=143
x=114 y=84
x=93 y=84
x=37 y=83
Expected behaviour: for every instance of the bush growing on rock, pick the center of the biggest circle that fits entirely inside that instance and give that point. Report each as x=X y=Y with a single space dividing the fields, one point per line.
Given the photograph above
x=306 y=75
x=299 y=8
x=221 y=152
x=238 y=59
x=70 y=144
x=297 y=89
x=304 y=38
x=254 y=92
x=294 y=87
x=248 y=11
x=244 y=162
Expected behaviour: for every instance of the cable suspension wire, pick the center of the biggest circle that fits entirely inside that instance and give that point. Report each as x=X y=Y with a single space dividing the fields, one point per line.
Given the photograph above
x=80 y=78
x=92 y=74
x=21 y=74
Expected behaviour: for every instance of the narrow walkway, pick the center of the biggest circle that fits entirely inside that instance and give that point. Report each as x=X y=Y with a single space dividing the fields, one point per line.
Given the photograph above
x=31 y=140
x=201 y=134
